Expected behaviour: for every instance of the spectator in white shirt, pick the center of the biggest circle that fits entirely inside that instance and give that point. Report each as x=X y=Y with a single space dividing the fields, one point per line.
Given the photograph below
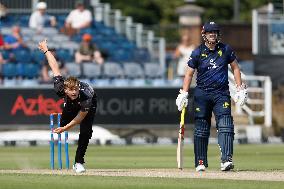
x=39 y=17
x=78 y=19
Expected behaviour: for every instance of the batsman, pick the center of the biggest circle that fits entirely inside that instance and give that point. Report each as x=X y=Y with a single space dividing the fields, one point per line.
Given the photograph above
x=211 y=60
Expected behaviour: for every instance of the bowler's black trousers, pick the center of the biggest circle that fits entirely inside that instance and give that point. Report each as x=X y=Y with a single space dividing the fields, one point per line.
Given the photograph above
x=70 y=111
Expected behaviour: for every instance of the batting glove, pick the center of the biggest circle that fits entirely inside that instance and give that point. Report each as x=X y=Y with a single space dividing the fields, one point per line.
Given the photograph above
x=182 y=100
x=241 y=96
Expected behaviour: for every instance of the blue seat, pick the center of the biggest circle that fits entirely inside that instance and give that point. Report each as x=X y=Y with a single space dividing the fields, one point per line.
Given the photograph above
x=77 y=38
x=24 y=20
x=153 y=70
x=127 y=45
x=30 y=70
x=87 y=30
x=71 y=46
x=8 y=20
x=121 y=55
x=98 y=25
x=133 y=70
x=98 y=39
x=20 y=69
x=38 y=56
x=91 y=70
x=74 y=69
x=107 y=32
x=61 y=18
x=106 y=46
x=141 y=55
x=23 y=55
x=113 y=70
x=64 y=54
x=5 y=54
x=9 y=70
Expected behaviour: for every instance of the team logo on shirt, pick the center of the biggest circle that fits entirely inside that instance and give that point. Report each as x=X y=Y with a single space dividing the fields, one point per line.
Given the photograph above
x=226 y=105
x=213 y=64
x=220 y=53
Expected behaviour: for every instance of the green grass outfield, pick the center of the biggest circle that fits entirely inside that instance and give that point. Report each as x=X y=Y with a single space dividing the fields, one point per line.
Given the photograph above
x=247 y=158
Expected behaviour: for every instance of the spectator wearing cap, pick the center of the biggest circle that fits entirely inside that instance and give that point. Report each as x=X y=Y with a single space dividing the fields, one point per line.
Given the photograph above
x=15 y=40
x=77 y=19
x=88 y=51
x=39 y=17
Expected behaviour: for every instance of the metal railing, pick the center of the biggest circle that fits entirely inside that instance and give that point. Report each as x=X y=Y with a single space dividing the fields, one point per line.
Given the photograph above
x=259 y=102
x=53 y=6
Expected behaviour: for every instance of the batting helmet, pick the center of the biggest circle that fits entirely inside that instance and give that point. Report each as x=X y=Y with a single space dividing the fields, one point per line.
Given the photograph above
x=210 y=26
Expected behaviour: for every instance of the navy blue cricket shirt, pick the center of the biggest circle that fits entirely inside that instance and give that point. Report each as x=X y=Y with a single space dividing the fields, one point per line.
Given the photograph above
x=212 y=66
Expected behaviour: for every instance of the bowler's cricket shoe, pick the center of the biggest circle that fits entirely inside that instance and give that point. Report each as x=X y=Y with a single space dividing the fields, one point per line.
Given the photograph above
x=200 y=167
x=227 y=166
x=79 y=168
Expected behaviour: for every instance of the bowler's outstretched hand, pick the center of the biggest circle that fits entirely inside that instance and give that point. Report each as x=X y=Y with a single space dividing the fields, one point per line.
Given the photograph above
x=43 y=46
x=59 y=130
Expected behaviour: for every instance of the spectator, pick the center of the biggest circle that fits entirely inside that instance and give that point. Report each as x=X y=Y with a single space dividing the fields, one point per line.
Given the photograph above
x=15 y=40
x=1 y=42
x=46 y=73
x=183 y=52
x=88 y=51
x=77 y=19
x=2 y=61
x=3 y=11
x=39 y=17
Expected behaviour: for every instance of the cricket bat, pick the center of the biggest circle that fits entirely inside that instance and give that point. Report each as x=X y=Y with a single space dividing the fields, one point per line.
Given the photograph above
x=180 y=141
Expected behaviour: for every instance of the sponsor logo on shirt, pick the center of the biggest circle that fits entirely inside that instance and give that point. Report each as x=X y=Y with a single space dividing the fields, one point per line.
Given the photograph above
x=226 y=105
x=213 y=64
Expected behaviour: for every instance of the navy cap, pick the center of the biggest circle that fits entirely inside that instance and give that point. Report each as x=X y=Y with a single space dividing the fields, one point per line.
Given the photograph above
x=210 y=26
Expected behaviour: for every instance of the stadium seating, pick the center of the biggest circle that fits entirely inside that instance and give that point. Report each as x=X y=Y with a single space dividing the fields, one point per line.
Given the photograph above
x=73 y=69
x=141 y=55
x=121 y=55
x=50 y=32
x=23 y=55
x=133 y=70
x=71 y=46
x=54 y=45
x=123 y=59
x=30 y=71
x=9 y=70
x=60 y=38
x=65 y=54
x=28 y=31
x=91 y=70
x=6 y=30
x=152 y=70
x=113 y=70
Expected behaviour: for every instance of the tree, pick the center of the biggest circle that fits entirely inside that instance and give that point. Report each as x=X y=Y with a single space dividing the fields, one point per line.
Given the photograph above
x=162 y=12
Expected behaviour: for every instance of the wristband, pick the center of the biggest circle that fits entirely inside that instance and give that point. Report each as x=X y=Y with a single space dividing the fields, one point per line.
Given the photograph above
x=45 y=52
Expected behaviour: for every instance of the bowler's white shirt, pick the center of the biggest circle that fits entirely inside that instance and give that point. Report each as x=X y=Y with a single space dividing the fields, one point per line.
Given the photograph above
x=77 y=18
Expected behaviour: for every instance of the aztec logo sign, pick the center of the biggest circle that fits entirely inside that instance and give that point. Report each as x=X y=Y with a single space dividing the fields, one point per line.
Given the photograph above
x=36 y=106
